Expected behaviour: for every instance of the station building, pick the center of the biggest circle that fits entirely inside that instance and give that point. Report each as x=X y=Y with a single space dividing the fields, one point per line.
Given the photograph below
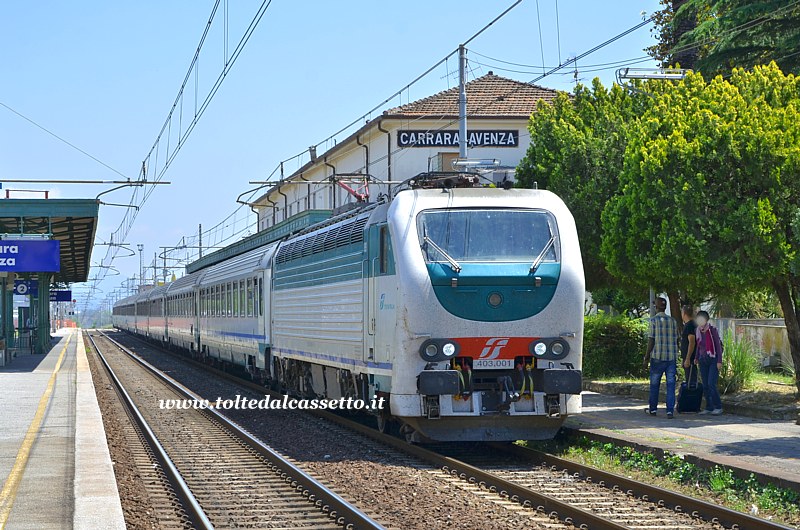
x=401 y=143
x=405 y=141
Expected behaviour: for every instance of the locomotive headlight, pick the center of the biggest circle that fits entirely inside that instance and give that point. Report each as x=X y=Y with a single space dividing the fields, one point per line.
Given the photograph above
x=495 y=299
x=557 y=348
x=431 y=350
x=449 y=349
x=540 y=348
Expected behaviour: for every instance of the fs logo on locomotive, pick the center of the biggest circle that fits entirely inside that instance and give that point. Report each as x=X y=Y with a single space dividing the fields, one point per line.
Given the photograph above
x=488 y=357
x=493 y=347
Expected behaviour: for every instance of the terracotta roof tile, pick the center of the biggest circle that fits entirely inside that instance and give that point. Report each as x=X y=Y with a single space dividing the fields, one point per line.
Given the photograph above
x=488 y=95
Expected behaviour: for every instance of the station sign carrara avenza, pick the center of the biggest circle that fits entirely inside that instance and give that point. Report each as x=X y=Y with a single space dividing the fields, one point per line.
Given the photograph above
x=30 y=255
x=447 y=138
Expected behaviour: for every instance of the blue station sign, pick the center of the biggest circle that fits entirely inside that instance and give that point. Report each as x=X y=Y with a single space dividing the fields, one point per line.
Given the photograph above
x=26 y=287
x=30 y=255
x=61 y=295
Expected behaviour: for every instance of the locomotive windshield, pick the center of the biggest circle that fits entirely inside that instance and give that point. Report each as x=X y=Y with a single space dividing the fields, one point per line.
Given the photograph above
x=480 y=235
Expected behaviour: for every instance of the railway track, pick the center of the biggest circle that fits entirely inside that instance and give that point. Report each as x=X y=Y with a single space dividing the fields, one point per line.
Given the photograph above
x=220 y=475
x=564 y=491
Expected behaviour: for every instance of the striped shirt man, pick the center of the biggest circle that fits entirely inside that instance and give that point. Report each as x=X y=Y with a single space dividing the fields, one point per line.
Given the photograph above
x=664 y=333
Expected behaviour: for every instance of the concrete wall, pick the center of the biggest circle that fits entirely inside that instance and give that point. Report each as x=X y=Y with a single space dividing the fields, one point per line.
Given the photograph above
x=769 y=336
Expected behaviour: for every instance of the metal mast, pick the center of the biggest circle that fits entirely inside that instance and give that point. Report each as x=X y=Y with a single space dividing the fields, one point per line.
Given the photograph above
x=462 y=101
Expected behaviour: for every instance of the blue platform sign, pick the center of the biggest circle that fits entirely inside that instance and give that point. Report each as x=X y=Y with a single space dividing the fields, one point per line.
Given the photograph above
x=30 y=255
x=26 y=287
x=62 y=295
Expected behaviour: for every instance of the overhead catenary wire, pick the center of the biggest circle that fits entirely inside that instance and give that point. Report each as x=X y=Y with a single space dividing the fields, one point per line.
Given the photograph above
x=380 y=105
x=136 y=202
x=545 y=74
x=61 y=139
x=541 y=41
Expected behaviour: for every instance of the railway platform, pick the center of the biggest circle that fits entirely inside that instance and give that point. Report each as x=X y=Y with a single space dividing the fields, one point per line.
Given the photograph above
x=770 y=449
x=55 y=467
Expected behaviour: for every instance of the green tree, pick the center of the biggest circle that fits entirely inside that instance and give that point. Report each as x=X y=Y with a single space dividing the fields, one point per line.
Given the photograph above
x=710 y=189
x=728 y=34
x=576 y=151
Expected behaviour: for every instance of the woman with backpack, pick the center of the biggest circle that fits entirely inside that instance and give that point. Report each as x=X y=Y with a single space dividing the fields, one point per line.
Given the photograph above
x=708 y=356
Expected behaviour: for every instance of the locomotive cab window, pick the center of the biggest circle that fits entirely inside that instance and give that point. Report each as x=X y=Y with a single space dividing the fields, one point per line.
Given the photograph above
x=385 y=250
x=488 y=235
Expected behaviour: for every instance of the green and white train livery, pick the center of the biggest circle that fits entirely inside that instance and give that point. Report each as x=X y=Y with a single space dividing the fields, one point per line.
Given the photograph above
x=462 y=306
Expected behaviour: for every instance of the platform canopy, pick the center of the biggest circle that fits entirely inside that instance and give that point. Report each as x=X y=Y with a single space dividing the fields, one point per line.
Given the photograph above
x=73 y=222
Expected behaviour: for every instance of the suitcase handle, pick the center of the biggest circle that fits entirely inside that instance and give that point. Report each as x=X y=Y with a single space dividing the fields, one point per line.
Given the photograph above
x=688 y=383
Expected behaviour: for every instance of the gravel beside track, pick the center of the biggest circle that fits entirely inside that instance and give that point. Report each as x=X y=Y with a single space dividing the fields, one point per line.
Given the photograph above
x=236 y=487
x=423 y=490
x=398 y=490
x=147 y=502
x=614 y=505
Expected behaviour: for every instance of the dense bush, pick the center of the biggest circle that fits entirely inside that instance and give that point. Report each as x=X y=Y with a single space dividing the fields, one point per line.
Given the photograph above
x=740 y=364
x=613 y=345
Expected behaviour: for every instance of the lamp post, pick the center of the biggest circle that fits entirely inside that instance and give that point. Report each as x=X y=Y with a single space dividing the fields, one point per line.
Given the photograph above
x=140 y=248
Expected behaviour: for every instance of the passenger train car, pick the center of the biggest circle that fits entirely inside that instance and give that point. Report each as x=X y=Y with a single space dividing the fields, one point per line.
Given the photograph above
x=462 y=305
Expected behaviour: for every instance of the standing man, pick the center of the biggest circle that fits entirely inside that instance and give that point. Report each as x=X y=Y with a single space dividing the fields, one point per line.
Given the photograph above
x=662 y=352
x=688 y=343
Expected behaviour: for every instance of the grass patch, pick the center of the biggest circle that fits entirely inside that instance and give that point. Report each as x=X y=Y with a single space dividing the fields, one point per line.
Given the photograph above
x=717 y=485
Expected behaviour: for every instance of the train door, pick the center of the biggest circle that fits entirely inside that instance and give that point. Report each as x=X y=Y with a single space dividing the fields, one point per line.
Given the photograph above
x=262 y=290
x=197 y=306
x=264 y=294
x=368 y=272
x=382 y=290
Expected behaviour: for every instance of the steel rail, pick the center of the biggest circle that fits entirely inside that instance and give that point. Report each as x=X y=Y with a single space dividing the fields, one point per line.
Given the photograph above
x=325 y=499
x=182 y=491
x=707 y=511
x=527 y=497
x=663 y=497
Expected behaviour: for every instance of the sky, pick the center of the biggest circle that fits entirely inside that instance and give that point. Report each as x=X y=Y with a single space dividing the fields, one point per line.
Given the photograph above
x=104 y=75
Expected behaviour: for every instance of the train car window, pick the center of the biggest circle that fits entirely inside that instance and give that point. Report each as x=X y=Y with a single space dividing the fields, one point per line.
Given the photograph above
x=256 y=297
x=233 y=300
x=242 y=299
x=261 y=300
x=250 y=297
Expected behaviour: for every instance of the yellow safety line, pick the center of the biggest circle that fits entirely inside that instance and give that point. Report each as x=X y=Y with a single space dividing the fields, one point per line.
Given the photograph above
x=9 y=492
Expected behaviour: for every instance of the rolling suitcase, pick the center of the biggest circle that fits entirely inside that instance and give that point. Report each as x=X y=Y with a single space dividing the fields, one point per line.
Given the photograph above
x=690 y=396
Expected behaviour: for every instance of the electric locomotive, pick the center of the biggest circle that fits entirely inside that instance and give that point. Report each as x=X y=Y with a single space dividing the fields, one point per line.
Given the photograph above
x=461 y=305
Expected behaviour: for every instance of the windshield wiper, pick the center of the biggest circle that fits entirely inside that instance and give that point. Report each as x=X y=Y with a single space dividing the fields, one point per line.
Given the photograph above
x=453 y=263
x=540 y=258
